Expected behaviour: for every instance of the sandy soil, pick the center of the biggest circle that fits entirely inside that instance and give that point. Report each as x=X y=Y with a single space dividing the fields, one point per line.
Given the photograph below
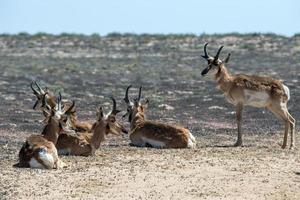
x=170 y=73
x=214 y=170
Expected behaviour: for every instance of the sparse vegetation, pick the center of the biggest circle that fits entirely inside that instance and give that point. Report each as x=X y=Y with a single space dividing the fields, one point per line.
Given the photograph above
x=89 y=69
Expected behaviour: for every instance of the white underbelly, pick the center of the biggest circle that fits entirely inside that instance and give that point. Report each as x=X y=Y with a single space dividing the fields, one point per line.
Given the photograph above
x=256 y=98
x=64 y=151
x=153 y=143
x=33 y=163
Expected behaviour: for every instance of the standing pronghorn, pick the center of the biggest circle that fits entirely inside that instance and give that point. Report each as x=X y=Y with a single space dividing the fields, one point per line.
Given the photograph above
x=39 y=151
x=144 y=132
x=85 y=144
x=244 y=90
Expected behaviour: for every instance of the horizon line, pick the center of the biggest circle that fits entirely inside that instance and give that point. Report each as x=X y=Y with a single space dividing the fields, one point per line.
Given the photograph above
x=117 y=33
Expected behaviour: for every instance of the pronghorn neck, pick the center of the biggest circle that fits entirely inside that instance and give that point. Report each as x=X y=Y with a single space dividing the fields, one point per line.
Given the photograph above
x=51 y=101
x=72 y=119
x=98 y=134
x=137 y=119
x=223 y=79
x=51 y=130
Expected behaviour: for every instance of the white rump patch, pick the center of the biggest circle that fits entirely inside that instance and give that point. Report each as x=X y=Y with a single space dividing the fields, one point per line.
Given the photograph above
x=191 y=141
x=256 y=99
x=46 y=158
x=153 y=143
x=33 y=163
x=64 y=151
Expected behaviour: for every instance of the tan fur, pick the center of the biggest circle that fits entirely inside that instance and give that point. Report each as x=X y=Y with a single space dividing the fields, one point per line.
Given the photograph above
x=172 y=136
x=39 y=151
x=82 y=144
x=80 y=126
x=85 y=144
x=258 y=83
x=156 y=134
x=242 y=90
x=36 y=143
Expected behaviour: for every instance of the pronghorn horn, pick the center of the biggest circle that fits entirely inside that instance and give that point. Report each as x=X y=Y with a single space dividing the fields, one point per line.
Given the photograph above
x=39 y=87
x=114 y=104
x=218 y=53
x=227 y=58
x=69 y=110
x=114 y=110
x=35 y=104
x=140 y=93
x=206 y=56
x=126 y=99
x=59 y=101
x=34 y=90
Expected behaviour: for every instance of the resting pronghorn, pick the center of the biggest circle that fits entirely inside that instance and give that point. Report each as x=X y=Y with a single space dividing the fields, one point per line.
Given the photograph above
x=39 y=151
x=244 y=90
x=144 y=132
x=48 y=97
x=86 y=144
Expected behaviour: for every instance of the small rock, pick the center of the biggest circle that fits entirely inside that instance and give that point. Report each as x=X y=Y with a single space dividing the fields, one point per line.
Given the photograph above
x=216 y=108
x=166 y=107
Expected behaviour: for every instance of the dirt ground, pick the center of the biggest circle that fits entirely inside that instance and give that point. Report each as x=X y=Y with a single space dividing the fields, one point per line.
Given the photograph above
x=89 y=70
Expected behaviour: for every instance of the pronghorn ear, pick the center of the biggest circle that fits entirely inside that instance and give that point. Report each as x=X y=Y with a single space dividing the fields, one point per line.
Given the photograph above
x=146 y=104
x=60 y=126
x=111 y=119
x=100 y=114
x=227 y=58
x=136 y=103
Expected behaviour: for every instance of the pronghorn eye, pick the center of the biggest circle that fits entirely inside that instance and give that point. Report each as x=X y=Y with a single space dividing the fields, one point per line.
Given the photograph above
x=112 y=120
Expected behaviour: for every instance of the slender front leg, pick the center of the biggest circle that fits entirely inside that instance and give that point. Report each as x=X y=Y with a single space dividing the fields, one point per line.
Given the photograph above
x=292 y=127
x=239 y=113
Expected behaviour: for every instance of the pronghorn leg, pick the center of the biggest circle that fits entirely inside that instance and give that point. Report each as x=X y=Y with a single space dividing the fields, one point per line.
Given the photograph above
x=239 y=114
x=292 y=127
x=282 y=112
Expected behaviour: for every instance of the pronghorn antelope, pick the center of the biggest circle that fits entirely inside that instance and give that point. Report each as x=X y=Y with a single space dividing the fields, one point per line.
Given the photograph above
x=45 y=95
x=144 y=132
x=244 y=90
x=86 y=144
x=39 y=151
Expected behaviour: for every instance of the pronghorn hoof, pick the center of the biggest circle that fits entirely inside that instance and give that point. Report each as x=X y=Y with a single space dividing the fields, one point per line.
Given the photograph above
x=292 y=147
x=283 y=146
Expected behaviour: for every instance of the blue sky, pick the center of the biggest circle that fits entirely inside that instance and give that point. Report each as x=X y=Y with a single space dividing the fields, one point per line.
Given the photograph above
x=150 y=16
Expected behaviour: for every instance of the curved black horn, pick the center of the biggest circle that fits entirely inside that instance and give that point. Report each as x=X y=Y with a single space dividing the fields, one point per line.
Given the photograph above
x=126 y=99
x=34 y=91
x=206 y=56
x=114 y=103
x=114 y=110
x=227 y=58
x=39 y=87
x=218 y=53
x=35 y=104
x=59 y=101
x=140 y=93
x=69 y=110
